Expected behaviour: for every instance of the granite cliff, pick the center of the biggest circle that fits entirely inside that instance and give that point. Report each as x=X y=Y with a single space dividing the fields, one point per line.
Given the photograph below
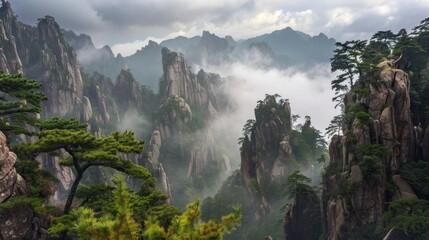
x=183 y=140
x=364 y=170
x=17 y=221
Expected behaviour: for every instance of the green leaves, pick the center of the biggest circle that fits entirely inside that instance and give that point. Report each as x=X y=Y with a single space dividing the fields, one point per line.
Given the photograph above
x=19 y=103
x=189 y=226
x=347 y=60
x=412 y=215
x=83 y=223
x=295 y=183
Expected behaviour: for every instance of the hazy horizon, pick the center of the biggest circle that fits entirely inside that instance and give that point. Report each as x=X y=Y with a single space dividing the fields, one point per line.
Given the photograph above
x=127 y=25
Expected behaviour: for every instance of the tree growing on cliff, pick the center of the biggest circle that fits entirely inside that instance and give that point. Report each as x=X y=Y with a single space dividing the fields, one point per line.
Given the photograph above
x=296 y=182
x=347 y=60
x=84 y=150
x=20 y=101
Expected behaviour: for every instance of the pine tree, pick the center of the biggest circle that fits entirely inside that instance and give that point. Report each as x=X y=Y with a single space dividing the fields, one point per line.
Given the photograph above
x=19 y=103
x=188 y=226
x=347 y=60
x=84 y=150
x=83 y=223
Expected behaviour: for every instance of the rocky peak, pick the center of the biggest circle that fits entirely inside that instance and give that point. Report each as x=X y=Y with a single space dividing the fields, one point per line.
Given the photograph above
x=61 y=78
x=201 y=90
x=213 y=49
x=266 y=150
x=127 y=92
x=152 y=44
x=378 y=137
x=79 y=42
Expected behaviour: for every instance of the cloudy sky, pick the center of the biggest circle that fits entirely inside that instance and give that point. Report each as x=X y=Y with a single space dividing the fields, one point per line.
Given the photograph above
x=126 y=25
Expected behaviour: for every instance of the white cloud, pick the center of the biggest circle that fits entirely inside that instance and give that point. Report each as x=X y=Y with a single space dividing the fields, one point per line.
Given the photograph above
x=113 y=22
x=308 y=93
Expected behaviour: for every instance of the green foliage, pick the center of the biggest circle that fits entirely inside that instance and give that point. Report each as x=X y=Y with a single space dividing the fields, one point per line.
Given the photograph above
x=189 y=226
x=347 y=60
x=82 y=223
x=41 y=182
x=416 y=174
x=335 y=126
x=295 y=183
x=362 y=91
x=60 y=123
x=19 y=103
x=265 y=109
x=85 y=150
x=172 y=104
x=247 y=130
x=411 y=215
x=368 y=156
x=363 y=117
x=372 y=150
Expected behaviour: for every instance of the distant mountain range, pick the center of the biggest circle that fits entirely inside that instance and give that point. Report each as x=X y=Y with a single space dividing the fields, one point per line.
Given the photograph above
x=279 y=49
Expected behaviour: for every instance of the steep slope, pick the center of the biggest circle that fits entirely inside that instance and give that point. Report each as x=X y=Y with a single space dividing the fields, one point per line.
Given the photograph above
x=92 y=59
x=295 y=48
x=43 y=53
x=379 y=137
x=266 y=153
x=189 y=103
x=279 y=49
x=18 y=221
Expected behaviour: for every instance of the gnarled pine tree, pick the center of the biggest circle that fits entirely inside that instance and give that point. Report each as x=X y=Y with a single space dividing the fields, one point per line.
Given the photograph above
x=84 y=150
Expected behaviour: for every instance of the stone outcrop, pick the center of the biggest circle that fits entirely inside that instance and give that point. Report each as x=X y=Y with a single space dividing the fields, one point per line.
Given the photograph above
x=100 y=92
x=19 y=221
x=266 y=153
x=60 y=75
x=179 y=90
x=127 y=92
x=303 y=217
x=370 y=153
x=201 y=90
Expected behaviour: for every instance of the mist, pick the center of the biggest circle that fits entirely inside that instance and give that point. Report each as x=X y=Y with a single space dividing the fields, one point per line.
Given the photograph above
x=135 y=122
x=309 y=94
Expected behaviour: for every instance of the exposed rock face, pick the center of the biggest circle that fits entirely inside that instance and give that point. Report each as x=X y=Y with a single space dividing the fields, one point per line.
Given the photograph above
x=303 y=217
x=185 y=97
x=362 y=172
x=100 y=91
x=145 y=64
x=18 y=222
x=61 y=78
x=213 y=50
x=11 y=183
x=127 y=92
x=43 y=53
x=95 y=60
x=265 y=155
x=201 y=90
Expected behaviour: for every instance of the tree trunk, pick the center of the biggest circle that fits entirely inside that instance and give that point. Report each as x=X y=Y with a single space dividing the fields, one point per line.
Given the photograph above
x=72 y=192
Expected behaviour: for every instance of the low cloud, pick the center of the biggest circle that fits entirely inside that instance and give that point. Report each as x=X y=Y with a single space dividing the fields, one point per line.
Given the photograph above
x=309 y=93
x=128 y=21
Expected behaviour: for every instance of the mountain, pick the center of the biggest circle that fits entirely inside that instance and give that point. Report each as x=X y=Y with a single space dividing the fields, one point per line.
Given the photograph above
x=183 y=141
x=294 y=48
x=42 y=53
x=279 y=49
x=364 y=170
